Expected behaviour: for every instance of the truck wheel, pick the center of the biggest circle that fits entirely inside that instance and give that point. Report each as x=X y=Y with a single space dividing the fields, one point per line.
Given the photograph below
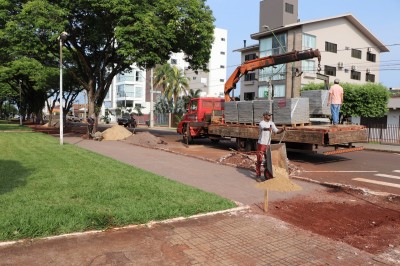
x=215 y=141
x=245 y=144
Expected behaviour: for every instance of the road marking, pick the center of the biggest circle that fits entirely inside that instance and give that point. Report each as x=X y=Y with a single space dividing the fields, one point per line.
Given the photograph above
x=341 y=171
x=377 y=182
x=396 y=171
x=388 y=176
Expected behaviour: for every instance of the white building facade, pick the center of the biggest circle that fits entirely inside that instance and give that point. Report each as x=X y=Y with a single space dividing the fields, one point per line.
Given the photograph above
x=133 y=88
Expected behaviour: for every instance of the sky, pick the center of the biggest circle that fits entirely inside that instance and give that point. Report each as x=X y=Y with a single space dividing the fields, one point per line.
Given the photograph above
x=241 y=19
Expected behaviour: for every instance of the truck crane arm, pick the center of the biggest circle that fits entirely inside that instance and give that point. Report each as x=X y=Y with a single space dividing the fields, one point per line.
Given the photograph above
x=268 y=61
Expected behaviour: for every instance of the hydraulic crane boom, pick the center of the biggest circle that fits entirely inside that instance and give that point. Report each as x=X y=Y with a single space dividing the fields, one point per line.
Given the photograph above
x=267 y=62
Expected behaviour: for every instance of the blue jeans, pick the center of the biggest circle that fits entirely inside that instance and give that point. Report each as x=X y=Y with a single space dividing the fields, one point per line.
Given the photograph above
x=335 y=109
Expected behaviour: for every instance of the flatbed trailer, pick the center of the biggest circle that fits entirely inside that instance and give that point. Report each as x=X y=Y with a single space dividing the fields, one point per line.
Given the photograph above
x=306 y=138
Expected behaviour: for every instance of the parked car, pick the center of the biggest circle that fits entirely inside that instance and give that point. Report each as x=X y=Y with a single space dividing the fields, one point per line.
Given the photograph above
x=127 y=121
x=73 y=118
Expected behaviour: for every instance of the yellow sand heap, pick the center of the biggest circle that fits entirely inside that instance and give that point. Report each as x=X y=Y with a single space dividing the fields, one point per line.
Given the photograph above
x=116 y=133
x=280 y=182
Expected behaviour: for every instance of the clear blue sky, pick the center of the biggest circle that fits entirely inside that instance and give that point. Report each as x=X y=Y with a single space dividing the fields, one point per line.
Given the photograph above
x=382 y=18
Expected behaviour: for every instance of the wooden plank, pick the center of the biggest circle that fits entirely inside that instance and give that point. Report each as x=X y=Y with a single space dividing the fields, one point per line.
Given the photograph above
x=321 y=135
x=340 y=137
x=301 y=136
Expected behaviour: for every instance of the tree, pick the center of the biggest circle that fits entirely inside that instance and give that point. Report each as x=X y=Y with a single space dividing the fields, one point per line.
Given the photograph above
x=191 y=94
x=173 y=82
x=363 y=100
x=107 y=37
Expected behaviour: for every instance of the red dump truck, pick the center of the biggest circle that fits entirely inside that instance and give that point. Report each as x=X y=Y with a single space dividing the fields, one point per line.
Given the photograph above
x=206 y=118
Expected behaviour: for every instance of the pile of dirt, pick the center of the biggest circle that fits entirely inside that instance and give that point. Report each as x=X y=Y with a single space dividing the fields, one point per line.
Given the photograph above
x=116 y=133
x=243 y=160
x=145 y=139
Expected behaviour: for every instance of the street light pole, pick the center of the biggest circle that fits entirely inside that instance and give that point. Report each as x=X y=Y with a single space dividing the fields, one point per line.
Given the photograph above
x=20 y=102
x=63 y=36
x=151 y=100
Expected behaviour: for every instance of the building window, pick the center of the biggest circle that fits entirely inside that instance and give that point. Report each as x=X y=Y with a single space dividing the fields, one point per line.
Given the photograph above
x=250 y=76
x=273 y=46
x=355 y=75
x=369 y=77
x=223 y=39
x=222 y=66
x=356 y=53
x=371 y=57
x=309 y=41
x=250 y=57
x=222 y=52
x=127 y=76
x=139 y=76
x=174 y=61
x=263 y=92
x=308 y=66
x=289 y=8
x=249 y=96
x=330 y=47
x=222 y=80
x=330 y=71
x=194 y=78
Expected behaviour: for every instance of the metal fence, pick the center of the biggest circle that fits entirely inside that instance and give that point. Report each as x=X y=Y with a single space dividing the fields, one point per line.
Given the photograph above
x=388 y=134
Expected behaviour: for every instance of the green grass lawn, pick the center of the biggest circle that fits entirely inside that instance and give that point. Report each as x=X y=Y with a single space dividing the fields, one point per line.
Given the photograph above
x=48 y=189
x=7 y=126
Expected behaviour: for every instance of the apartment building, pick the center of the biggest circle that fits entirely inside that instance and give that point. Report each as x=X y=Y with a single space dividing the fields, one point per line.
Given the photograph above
x=353 y=59
x=212 y=83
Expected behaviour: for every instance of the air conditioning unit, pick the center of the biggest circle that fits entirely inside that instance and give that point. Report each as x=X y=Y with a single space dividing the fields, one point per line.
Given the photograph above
x=353 y=67
x=347 y=48
x=369 y=49
x=368 y=71
x=340 y=65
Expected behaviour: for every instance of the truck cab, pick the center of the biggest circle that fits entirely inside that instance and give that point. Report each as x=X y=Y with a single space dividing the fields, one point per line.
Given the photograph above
x=199 y=114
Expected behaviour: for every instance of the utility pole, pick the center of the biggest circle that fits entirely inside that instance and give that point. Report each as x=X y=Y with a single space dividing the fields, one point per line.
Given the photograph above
x=20 y=102
x=151 y=124
x=63 y=36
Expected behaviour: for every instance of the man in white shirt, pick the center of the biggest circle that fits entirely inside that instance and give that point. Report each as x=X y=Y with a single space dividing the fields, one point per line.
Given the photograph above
x=266 y=128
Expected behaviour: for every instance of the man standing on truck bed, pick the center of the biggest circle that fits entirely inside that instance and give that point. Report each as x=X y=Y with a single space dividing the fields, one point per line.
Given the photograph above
x=266 y=128
x=335 y=100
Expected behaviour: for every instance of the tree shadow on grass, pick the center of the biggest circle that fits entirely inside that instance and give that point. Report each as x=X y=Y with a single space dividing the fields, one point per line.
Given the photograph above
x=12 y=175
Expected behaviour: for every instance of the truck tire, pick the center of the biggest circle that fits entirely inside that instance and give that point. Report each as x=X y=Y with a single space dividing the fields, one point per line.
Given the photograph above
x=244 y=144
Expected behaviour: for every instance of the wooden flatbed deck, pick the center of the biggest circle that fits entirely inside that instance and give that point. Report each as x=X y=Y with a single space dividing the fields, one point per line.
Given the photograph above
x=310 y=134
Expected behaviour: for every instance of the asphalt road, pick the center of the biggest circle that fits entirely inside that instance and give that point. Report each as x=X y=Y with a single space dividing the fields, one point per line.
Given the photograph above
x=373 y=170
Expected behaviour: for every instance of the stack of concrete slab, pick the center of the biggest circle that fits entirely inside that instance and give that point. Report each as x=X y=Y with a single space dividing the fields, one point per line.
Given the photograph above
x=245 y=110
x=231 y=112
x=291 y=111
x=318 y=100
x=259 y=107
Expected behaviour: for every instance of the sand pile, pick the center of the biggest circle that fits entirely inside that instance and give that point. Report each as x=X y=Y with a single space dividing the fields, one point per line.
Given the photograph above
x=280 y=182
x=116 y=133
x=145 y=139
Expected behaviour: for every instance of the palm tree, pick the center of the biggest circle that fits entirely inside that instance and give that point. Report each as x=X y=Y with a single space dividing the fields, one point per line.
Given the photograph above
x=191 y=94
x=172 y=80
